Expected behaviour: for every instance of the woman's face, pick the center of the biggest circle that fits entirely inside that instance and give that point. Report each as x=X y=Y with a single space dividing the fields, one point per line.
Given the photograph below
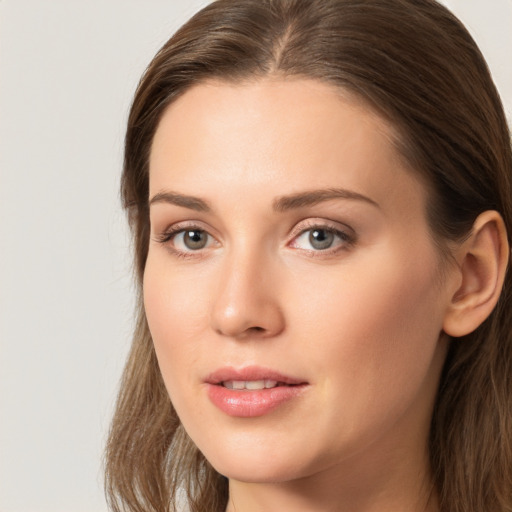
x=292 y=288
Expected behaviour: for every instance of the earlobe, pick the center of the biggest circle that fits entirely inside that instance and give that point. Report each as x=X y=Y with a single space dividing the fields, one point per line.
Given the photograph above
x=483 y=260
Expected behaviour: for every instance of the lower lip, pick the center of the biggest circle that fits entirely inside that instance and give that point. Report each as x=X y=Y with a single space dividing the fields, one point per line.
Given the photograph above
x=250 y=404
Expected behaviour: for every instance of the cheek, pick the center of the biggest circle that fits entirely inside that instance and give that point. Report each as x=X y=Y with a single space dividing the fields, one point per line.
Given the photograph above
x=376 y=293
x=174 y=299
x=375 y=335
x=175 y=305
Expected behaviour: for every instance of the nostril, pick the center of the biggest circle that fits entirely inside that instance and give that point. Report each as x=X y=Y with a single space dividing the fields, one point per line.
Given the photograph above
x=256 y=317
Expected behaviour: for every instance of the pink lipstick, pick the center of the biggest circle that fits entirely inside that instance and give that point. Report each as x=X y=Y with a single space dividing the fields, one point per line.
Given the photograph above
x=251 y=391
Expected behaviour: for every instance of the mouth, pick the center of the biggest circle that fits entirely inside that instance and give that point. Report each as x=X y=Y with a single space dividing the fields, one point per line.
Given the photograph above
x=251 y=378
x=252 y=391
x=252 y=385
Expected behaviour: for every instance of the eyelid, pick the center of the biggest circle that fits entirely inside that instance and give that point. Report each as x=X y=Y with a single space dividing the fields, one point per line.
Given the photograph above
x=344 y=232
x=320 y=223
x=172 y=229
x=166 y=236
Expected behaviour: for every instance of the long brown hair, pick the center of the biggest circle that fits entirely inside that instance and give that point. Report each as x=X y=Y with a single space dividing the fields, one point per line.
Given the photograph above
x=415 y=63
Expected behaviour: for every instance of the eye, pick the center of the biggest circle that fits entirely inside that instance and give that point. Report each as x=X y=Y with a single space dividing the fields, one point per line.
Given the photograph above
x=186 y=240
x=321 y=238
x=191 y=239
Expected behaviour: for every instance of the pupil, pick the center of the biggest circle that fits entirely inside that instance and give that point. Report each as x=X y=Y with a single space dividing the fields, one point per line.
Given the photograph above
x=321 y=238
x=195 y=239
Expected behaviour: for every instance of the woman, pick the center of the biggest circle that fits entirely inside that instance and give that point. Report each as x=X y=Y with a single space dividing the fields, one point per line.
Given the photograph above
x=320 y=195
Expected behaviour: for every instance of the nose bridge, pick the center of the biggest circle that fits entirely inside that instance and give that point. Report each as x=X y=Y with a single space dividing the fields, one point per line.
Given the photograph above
x=246 y=302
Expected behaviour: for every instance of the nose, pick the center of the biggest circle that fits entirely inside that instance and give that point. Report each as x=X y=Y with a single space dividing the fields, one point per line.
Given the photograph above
x=246 y=304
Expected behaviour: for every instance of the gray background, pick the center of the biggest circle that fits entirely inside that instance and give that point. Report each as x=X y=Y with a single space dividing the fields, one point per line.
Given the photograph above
x=68 y=70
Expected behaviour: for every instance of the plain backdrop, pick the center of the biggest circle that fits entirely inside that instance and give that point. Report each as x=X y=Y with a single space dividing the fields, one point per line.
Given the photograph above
x=68 y=70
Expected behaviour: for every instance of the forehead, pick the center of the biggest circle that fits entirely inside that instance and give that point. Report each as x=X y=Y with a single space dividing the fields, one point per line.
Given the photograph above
x=293 y=134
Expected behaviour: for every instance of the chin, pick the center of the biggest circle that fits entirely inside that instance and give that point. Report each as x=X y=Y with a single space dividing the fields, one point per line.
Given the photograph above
x=269 y=473
x=257 y=465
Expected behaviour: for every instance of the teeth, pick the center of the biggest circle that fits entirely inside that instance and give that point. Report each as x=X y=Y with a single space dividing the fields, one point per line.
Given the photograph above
x=250 y=384
x=255 y=384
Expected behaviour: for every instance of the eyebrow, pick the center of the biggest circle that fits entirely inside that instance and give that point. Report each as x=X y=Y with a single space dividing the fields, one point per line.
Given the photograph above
x=281 y=204
x=312 y=197
x=190 y=202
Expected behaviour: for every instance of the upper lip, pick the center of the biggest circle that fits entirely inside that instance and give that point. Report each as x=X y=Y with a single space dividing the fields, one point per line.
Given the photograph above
x=250 y=373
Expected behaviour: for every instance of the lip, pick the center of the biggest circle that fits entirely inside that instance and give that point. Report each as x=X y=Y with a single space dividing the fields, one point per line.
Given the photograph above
x=251 y=403
x=251 y=373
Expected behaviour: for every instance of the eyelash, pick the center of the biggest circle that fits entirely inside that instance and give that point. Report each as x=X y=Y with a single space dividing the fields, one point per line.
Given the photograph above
x=169 y=234
x=345 y=240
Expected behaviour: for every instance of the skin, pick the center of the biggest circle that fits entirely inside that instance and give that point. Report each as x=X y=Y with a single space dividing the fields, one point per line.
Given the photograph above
x=361 y=322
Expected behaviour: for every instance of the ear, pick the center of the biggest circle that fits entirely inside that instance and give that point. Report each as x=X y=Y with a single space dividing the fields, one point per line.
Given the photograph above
x=482 y=262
